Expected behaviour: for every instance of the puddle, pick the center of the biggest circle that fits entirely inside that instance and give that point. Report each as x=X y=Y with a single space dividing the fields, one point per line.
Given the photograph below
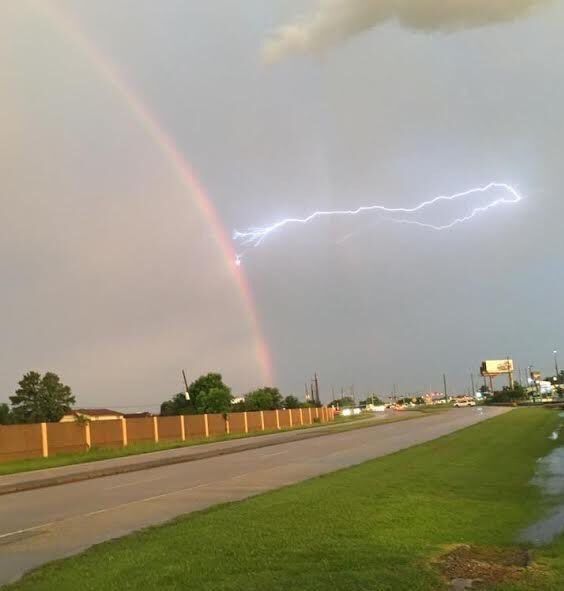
x=544 y=531
x=549 y=478
x=549 y=475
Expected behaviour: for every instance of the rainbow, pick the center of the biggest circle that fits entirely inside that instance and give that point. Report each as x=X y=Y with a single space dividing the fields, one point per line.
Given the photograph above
x=184 y=171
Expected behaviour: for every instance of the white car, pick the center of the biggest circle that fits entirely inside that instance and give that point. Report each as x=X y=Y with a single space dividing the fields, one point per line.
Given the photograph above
x=461 y=402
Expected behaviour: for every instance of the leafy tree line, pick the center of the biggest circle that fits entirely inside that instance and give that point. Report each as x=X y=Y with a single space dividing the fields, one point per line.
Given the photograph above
x=44 y=398
x=209 y=394
x=514 y=394
x=38 y=399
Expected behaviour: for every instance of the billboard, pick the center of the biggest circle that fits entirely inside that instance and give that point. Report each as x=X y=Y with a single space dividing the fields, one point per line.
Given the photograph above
x=495 y=367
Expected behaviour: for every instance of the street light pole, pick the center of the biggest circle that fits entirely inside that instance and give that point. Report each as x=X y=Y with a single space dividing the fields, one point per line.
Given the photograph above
x=556 y=366
x=445 y=385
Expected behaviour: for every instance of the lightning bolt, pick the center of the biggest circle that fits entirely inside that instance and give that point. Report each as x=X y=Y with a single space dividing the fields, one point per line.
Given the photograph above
x=254 y=236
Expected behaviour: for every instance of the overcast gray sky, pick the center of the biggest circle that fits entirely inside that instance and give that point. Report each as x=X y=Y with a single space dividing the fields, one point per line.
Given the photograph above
x=112 y=276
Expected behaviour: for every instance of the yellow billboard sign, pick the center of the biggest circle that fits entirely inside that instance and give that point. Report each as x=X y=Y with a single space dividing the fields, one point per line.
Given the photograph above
x=495 y=367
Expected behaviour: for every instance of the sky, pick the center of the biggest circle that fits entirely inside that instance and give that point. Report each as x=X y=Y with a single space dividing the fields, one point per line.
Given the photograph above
x=115 y=275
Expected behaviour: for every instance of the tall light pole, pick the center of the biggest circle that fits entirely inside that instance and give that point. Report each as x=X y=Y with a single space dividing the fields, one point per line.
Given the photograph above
x=555 y=353
x=445 y=385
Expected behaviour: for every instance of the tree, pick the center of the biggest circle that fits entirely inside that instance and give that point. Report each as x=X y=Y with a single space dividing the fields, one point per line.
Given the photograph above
x=41 y=399
x=216 y=400
x=343 y=402
x=510 y=394
x=263 y=399
x=177 y=405
x=202 y=387
x=6 y=417
x=205 y=384
x=373 y=399
x=291 y=402
x=240 y=406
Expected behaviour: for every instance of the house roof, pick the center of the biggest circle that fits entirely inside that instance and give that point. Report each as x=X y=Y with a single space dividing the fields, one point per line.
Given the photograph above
x=97 y=412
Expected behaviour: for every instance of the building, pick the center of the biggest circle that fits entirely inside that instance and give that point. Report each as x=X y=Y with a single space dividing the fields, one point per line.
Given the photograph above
x=434 y=398
x=92 y=414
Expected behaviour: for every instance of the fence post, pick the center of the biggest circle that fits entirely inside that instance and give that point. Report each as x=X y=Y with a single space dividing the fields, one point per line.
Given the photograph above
x=124 y=431
x=246 y=422
x=316 y=412
x=301 y=418
x=227 y=426
x=206 y=425
x=182 y=428
x=87 y=435
x=44 y=442
x=155 y=430
x=277 y=419
x=309 y=412
x=291 y=419
x=262 y=420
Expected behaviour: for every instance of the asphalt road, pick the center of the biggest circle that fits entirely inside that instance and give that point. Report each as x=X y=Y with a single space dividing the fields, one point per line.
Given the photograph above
x=41 y=525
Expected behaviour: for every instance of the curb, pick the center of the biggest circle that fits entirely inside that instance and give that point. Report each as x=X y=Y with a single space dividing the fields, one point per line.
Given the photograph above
x=27 y=485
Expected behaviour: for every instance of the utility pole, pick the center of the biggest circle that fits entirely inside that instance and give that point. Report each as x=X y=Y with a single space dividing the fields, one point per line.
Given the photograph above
x=472 y=382
x=186 y=393
x=445 y=385
x=306 y=393
x=317 y=399
x=555 y=353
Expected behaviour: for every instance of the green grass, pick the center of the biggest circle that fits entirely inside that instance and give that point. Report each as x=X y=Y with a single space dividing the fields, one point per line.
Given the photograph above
x=106 y=453
x=372 y=527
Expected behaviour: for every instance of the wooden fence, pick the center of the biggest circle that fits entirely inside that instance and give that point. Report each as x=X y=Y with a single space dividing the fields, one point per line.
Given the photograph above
x=38 y=440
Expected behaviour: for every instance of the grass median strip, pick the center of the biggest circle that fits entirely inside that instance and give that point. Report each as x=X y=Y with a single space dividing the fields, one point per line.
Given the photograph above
x=107 y=453
x=380 y=525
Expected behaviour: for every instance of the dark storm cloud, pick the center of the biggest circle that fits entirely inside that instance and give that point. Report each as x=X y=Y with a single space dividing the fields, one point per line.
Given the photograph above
x=336 y=20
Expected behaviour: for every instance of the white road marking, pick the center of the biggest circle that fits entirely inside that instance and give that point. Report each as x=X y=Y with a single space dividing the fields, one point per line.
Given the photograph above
x=277 y=453
x=134 y=483
x=27 y=529
x=236 y=477
x=168 y=494
x=106 y=509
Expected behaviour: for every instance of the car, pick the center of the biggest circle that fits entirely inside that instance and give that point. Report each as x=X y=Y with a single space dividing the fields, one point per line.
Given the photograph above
x=461 y=402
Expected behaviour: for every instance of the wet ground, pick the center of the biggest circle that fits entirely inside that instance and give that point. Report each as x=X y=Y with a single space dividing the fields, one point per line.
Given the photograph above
x=549 y=477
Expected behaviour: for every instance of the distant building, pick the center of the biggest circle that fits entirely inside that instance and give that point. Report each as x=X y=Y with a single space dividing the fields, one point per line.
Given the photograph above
x=434 y=398
x=92 y=414
x=137 y=415
x=238 y=400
